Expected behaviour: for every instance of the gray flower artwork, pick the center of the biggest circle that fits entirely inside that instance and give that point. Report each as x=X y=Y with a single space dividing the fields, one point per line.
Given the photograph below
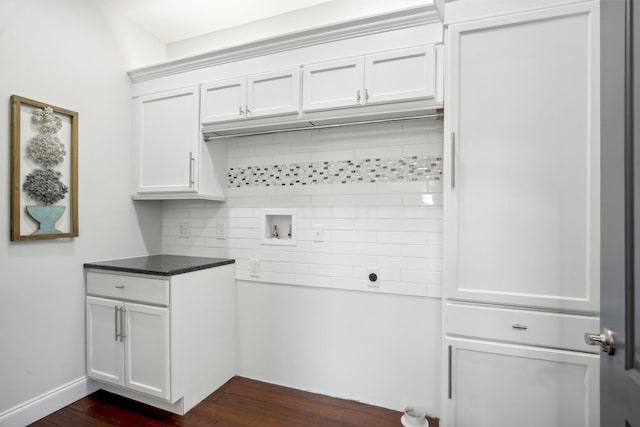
x=45 y=149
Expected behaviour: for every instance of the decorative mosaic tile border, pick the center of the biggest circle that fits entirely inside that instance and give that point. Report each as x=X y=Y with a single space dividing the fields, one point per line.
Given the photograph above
x=414 y=168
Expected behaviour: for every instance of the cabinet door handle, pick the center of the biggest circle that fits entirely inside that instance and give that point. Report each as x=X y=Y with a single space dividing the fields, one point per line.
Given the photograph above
x=191 y=161
x=449 y=375
x=116 y=322
x=120 y=287
x=519 y=326
x=241 y=111
x=122 y=335
x=453 y=160
x=358 y=96
x=366 y=95
x=246 y=108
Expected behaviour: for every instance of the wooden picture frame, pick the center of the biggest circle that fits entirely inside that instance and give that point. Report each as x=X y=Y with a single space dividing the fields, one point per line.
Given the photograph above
x=58 y=196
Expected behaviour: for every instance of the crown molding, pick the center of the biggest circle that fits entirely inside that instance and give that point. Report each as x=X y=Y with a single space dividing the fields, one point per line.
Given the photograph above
x=406 y=18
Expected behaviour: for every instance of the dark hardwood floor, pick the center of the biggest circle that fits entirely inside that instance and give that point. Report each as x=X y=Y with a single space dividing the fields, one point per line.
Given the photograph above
x=241 y=402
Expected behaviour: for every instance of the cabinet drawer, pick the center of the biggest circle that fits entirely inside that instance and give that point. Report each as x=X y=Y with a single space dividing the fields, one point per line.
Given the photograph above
x=555 y=330
x=132 y=288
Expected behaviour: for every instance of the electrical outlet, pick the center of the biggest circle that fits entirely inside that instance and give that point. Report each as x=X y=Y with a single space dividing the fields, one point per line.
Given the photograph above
x=184 y=229
x=373 y=274
x=318 y=233
x=254 y=267
x=221 y=230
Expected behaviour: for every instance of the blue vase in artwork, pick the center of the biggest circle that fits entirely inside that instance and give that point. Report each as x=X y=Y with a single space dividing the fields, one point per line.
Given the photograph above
x=46 y=216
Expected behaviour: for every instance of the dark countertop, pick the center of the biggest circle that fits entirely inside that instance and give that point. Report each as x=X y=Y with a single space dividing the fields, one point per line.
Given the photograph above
x=160 y=265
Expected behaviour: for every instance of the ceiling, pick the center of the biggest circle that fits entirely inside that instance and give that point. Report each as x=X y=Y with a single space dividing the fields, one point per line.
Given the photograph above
x=171 y=20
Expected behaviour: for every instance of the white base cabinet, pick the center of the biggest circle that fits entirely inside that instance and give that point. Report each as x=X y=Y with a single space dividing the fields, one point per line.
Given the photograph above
x=168 y=342
x=133 y=335
x=504 y=385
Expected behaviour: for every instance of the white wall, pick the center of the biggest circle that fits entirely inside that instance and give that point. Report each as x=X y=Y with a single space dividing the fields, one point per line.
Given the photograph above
x=66 y=53
x=374 y=348
x=310 y=320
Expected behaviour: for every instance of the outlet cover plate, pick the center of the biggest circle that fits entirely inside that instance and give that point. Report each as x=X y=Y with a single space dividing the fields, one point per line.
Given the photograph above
x=318 y=233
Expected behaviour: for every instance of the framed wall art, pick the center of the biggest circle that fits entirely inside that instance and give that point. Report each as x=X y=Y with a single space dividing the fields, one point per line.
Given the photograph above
x=44 y=170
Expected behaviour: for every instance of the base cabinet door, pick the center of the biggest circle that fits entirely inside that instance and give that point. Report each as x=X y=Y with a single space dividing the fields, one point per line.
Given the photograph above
x=147 y=349
x=105 y=349
x=502 y=385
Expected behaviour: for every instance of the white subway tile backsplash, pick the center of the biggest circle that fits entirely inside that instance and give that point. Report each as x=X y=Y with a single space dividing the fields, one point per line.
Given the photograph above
x=377 y=249
x=285 y=267
x=330 y=270
x=378 y=224
x=422 y=251
x=434 y=225
x=332 y=247
x=353 y=236
x=310 y=258
x=243 y=233
x=404 y=187
x=276 y=256
x=380 y=221
x=354 y=260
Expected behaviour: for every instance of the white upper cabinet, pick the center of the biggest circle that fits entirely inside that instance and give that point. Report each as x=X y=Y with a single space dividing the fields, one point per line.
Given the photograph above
x=523 y=189
x=399 y=75
x=275 y=93
x=167 y=136
x=333 y=84
x=260 y=95
x=223 y=101
x=172 y=160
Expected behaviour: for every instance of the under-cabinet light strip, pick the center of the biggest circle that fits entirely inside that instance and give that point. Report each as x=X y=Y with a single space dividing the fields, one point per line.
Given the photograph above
x=436 y=116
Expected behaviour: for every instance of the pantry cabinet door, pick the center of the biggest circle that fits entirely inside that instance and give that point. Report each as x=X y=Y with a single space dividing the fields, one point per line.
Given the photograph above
x=168 y=137
x=522 y=171
x=274 y=93
x=400 y=75
x=333 y=84
x=223 y=101
x=105 y=349
x=502 y=385
x=147 y=350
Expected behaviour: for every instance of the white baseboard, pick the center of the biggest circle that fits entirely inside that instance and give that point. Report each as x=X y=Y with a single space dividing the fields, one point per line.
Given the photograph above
x=43 y=405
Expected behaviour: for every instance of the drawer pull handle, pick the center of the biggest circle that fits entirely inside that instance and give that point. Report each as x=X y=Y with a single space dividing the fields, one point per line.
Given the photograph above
x=120 y=287
x=519 y=326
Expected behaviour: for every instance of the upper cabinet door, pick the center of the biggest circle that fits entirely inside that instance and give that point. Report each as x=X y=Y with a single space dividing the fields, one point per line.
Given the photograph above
x=274 y=93
x=223 y=101
x=168 y=137
x=400 y=75
x=523 y=222
x=333 y=84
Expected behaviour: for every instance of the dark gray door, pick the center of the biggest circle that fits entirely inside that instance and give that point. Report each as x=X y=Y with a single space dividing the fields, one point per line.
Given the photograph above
x=620 y=293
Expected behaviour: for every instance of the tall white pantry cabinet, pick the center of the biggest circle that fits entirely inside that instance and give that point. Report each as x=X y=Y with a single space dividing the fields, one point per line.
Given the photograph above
x=522 y=215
